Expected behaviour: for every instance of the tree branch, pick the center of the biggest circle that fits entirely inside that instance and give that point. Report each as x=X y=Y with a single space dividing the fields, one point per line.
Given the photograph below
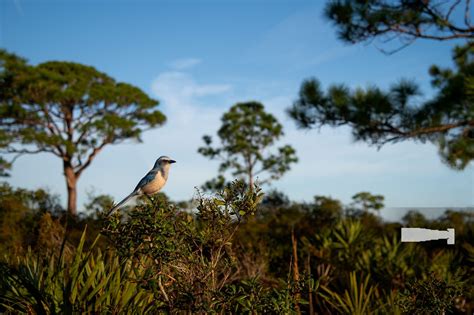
x=424 y=131
x=20 y=152
x=419 y=34
x=53 y=128
x=441 y=128
x=467 y=15
x=436 y=16
x=451 y=9
x=26 y=151
x=90 y=158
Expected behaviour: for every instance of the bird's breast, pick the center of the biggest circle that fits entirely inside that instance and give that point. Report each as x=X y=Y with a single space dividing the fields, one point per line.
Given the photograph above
x=155 y=185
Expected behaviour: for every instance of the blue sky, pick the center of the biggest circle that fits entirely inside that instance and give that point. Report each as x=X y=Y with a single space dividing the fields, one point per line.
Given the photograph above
x=199 y=59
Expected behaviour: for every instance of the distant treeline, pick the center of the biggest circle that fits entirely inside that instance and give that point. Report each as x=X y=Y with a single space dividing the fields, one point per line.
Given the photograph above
x=237 y=252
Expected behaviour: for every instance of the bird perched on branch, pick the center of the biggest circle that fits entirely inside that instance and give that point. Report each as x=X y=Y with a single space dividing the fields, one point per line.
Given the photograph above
x=152 y=183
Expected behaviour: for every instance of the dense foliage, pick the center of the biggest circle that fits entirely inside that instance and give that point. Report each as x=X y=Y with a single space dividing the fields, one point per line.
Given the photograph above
x=231 y=253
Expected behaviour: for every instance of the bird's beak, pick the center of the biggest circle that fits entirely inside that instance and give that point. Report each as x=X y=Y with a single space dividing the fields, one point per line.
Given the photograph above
x=172 y=161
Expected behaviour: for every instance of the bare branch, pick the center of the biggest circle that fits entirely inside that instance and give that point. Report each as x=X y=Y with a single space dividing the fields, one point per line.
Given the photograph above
x=91 y=157
x=419 y=34
x=81 y=137
x=20 y=152
x=467 y=14
x=441 y=128
x=53 y=128
x=25 y=151
x=391 y=52
x=451 y=9
x=400 y=135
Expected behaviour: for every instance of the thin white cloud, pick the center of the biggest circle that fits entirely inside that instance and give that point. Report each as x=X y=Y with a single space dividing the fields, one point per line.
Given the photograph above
x=301 y=40
x=18 y=7
x=193 y=109
x=176 y=88
x=330 y=54
x=185 y=63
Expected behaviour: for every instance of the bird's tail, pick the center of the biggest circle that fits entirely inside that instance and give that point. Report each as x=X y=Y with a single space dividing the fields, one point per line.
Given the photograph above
x=121 y=203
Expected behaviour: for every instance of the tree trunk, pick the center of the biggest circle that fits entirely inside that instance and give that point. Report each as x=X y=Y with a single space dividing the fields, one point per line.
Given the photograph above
x=249 y=168
x=296 y=272
x=251 y=181
x=71 y=183
x=250 y=175
x=310 y=288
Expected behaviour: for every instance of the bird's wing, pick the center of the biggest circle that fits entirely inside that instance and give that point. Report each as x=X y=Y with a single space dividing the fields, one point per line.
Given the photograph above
x=146 y=180
x=150 y=176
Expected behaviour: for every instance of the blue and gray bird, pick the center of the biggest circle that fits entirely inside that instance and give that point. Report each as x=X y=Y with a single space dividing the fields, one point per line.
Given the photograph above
x=152 y=183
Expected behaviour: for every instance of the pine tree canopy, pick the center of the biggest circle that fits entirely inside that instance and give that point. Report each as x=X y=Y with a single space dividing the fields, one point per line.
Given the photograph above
x=402 y=20
x=247 y=131
x=379 y=117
